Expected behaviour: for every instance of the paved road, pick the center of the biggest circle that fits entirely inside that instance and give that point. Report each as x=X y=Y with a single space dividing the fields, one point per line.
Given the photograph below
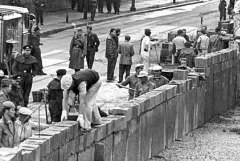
x=55 y=50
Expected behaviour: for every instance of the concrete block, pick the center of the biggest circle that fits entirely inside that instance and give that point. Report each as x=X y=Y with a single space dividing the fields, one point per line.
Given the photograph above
x=120 y=123
x=207 y=70
x=224 y=78
x=202 y=61
x=133 y=140
x=159 y=129
x=170 y=90
x=119 y=145
x=46 y=144
x=195 y=82
x=104 y=150
x=100 y=133
x=146 y=135
x=190 y=84
x=189 y=112
x=201 y=104
x=216 y=58
x=87 y=154
x=11 y=154
x=34 y=152
x=208 y=111
x=41 y=142
x=180 y=74
x=180 y=110
x=217 y=101
x=55 y=154
x=195 y=108
x=135 y=108
x=217 y=68
x=141 y=101
x=171 y=112
x=89 y=137
x=63 y=153
x=181 y=85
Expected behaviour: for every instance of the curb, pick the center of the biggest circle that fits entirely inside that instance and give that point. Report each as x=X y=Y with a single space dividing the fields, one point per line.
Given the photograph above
x=149 y=9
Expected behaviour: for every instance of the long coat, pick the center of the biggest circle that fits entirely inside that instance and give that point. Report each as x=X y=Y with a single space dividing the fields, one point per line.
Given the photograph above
x=78 y=50
x=36 y=52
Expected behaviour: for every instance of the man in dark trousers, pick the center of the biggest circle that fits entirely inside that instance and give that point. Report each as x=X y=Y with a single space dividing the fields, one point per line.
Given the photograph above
x=111 y=54
x=100 y=6
x=25 y=67
x=92 y=46
x=109 y=5
x=116 y=6
x=73 y=4
x=126 y=51
x=34 y=41
x=55 y=96
x=80 y=4
x=222 y=9
x=93 y=7
x=39 y=7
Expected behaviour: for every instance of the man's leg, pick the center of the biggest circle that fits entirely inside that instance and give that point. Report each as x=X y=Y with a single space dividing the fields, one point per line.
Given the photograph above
x=121 y=72
x=128 y=68
x=41 y=17
x=109 y=70
x=28 y=87
x=73 y=4
x=145 y=61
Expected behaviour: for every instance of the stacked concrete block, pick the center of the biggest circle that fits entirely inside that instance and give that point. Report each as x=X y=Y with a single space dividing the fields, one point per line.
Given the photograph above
x=10 y=154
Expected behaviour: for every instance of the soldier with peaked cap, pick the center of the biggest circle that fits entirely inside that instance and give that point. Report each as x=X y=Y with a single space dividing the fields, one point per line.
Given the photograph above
x=25 y=67
x=132 y=80
x=144 y=85
x=78 y=50
x=158 y=79
x=34 y=41
x=55 y=96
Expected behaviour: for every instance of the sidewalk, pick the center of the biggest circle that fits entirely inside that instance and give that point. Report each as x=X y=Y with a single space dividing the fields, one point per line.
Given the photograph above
x=56 y=21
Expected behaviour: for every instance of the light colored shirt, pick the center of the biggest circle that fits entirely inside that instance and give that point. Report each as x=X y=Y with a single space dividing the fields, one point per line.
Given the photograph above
x=145 y=45
x=203 y=42
x=179 y=42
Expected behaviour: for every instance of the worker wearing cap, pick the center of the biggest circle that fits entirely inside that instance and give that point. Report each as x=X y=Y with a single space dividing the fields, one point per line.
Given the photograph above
x=85 y=84
x=78 y=50
x=34 y=41
x=92 y=46
x=188 y=53
x=8 y=128
x=158 y=79
x=55 y=96
x=132 y=80
x=25 y=67
x=25 y=125
x=144 y=85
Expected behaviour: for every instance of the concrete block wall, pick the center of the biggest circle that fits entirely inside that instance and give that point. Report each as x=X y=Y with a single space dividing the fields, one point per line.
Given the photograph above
x=142 y=127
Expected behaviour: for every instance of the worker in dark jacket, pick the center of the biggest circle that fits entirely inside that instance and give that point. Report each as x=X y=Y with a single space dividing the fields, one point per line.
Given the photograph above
x=111 y=54
x=39 y=7
x=25 y=67
x=34 y=41
x=55 y=96
x=222 y=9
x=158 y=79
x=92 y=46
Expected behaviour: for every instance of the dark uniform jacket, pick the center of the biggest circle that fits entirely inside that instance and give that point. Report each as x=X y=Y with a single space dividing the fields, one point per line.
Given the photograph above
x=132 y=81
x=92 y=42
x=111 y=47
x=24 y=64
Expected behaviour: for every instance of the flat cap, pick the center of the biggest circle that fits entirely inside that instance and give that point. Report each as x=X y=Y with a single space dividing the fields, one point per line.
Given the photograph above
x=61 y=72
x=143 y=74
x=8 y=104
x=25 y=111
x=139 y=65
x=78 y=29
x=157 y=67
x=66 y=82
x=36 y=28
x=27 y=47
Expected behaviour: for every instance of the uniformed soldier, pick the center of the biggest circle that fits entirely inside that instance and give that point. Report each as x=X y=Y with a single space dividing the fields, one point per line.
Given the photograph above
x=93 y=7
x=39 y=7
x=144 y=85
x=109 y=5
x=116 y=6
x=132 y=80
x=25 y=67
x=55 y=96
x=222 y=9
x=34 y=41
x=100 y=6
x=158 y=79
x=92 y=46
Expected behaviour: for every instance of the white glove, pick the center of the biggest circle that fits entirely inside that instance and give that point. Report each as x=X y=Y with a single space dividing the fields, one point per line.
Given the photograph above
x=64 y=115
x=81 y=120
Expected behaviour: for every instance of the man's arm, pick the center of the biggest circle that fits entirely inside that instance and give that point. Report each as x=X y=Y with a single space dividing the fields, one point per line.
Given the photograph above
x=97 y=41
x=65 y=100
x=131 y=50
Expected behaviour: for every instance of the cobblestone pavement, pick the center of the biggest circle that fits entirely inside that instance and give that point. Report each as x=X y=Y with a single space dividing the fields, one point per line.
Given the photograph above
x=218 y=140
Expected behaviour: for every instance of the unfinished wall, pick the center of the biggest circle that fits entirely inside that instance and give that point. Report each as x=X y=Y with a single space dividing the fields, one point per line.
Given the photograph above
x=146 y=125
